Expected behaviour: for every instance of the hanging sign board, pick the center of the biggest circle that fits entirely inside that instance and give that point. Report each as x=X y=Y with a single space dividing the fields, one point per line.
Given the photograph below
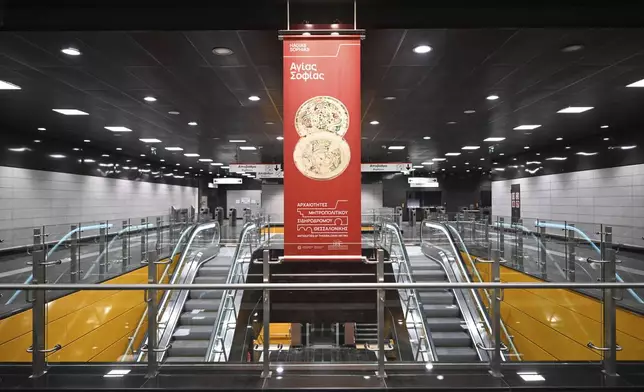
x=386 y=167
x=225 y=180
x=423 y=182
x=322 y=145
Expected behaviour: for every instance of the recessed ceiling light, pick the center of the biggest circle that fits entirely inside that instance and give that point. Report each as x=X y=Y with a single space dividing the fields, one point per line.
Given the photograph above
x=427 y=163
x=453 y=167
x=559 y=139
x=526 y=147
x=501 y=154
x=374 y=122
x=469 y=111
x=639 y=83
x=178 y=164
x=36 y=141
x=57 y=156
x=418 y=166
x=71 y=51
x=426 y=137
x=88 y=160
x=531 y=376
x=606 y=139
x=556 y=159
x=237 y=141
x=451 y=122
x=575 y=109
x=586 y=154
x=161 y=160
x=452 y=154
x=280 y=138
x=389 y=98
x=18 y=149
x=494 y=139
x=217 y=164
x=70 y=112
x=628 y=147
x=150 y=98
x=87 y=141
x=567 y=147
x=492 y=97
x=438 y=159
x=572 y=48
x=174 y=148
x=533 y=163
x=221 y=51
x=253 y=98
x=119 y=149
x=191 y=155
x=173 y=112
x=526 y=127
x=396 y=147
x=482 y=159
x=269 y=123
x=105 y=156
x=8 y=86
x=225 y=167
x=247 y=148
x=499 y=169
x=189 y=168
x=42 y=129
x=118 y=129
x=192 y=123
x=604 y=126
x=538 y=154
x=470 y=147
x=150 y=140
x=142 y=155
x=205 y=160
x=422 y=49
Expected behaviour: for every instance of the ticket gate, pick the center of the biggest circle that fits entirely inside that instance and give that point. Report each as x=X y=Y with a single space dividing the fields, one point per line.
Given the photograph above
x=232 y=216
x=219 y=215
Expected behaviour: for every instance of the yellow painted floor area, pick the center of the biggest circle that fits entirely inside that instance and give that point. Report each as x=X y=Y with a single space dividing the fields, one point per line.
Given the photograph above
x=91 y=326
x=557 y=324
x=279 y=333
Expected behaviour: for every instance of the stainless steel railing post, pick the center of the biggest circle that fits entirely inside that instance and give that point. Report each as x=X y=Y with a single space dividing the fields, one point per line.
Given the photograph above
x=73 y=255
x=37 y=349
x=125 y=239
x=495 y=361
x=570 y=254
x=610 y=312
x=543 y=253
x=102 y=255
x=144 y=234
x=266 y=368
x=519 y=245
x=380 y=255
x=151 y=299
x=501 y=246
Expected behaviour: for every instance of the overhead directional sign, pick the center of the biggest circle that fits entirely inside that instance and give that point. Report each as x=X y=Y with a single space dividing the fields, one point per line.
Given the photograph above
x=423 y=182
x=250 y=167
x=386 y=167
x=225 y=180
x=274 y=171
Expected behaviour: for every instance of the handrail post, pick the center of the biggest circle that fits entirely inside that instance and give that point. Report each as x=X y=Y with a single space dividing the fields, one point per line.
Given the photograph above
x=151 y=298
x=501 y=246
x=519 y=245
x=495 y=361
x=380 y=255
x=125 y=240
x=543 y=253
x=102 y=255
x=159 y=236
x=73 y=255
x=39 y=366
x=570 y=254
x=266 y=368
x=610 y=312
x=144 y=234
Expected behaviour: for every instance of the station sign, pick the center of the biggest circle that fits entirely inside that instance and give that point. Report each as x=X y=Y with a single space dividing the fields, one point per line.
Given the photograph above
x=386 y=167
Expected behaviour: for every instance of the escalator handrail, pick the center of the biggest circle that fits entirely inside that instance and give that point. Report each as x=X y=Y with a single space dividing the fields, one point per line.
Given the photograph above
x=248 y=228
x=426 y=331
x=504 y=330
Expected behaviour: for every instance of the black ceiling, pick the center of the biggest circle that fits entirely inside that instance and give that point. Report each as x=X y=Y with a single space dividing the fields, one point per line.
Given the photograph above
x=526 y=68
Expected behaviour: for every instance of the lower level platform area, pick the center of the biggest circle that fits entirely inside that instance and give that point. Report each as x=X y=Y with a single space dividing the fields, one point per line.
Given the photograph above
x=552 y=377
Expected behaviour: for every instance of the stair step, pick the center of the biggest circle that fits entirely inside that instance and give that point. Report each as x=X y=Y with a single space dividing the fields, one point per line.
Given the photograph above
x=198 y=318
x=202 y=304
x=193 y=332
x=457 y=354
x=188 y=348
x=206 y=294
x=451 y=339
x=210 y=279
x=444 y=324
x=211 y=270
x=441 y=310
x=426 y=266
x=436 y=297
x=185 y=359
x=429 y=275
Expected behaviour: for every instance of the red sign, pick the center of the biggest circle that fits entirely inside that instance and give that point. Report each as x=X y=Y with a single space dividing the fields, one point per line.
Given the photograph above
x=322 y=146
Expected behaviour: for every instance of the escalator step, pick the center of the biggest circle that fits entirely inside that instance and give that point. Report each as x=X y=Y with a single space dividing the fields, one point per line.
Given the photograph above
x=198 y=318
x=210 y=279
x=451 y=339
x=205 y=294
x=193 y=332
x=430 y=275
x=436 y=297
x=185 y=359
x=201 y=304
x=441 y=310
x=212 y=270
x=188 y=348
x=456 y=354
x=444 y=324
x=426 y=266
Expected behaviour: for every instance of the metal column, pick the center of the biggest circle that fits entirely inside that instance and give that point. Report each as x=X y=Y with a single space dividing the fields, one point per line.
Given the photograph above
x=125 y=248
x=144 y=235
x=151 y=299
x=501 y=239
x=495 y=361
x=610 y=311
x=266 y=369
x=570 y=254
x=38 y=307
x=102 y=254
x=74 y=267
x=543 y=253
x=518 y=258
x=159 y=238
x=380 y=257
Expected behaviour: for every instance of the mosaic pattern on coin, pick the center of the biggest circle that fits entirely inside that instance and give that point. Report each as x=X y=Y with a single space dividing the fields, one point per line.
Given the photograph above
x=322 y=114
x=322 y=156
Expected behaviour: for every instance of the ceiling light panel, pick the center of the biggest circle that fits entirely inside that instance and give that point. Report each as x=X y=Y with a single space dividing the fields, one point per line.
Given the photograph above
x=452 y=154
x=470 y=147
x=526 y=127
x=639 y=83
x=396 y=147
x=71 y=112
x=191 y=155
x=205 y=160
x=494 y=139
x=586 y=154
x=237 y=141
x=247 y=148
x=174 y=148
x=575 y=109
x=151 y=140
x=556 y=159
x=8 y=86
x=118 y=129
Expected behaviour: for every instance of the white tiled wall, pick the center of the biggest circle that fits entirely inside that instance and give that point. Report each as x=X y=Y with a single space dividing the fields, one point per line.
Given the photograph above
x=612 y=196
x=273 y=198
x=31 y=198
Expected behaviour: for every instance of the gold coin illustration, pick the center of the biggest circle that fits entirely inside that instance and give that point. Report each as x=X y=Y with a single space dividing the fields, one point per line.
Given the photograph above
x=322 y=155
x=322 y=114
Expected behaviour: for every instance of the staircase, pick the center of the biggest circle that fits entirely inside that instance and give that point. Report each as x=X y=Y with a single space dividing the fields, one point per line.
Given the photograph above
x=195 y=326
x=366 y=333
x=442 y=314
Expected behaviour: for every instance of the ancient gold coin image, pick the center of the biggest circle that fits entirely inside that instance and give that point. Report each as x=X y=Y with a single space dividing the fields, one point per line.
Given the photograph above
x=322 y=155
x=322 y=114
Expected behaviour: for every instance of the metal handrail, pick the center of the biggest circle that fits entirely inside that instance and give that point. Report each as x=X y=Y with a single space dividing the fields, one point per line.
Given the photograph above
x=509 y=338
x=407 y=265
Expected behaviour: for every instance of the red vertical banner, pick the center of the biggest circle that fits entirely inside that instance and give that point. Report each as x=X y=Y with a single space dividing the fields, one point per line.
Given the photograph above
x=322 y=214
